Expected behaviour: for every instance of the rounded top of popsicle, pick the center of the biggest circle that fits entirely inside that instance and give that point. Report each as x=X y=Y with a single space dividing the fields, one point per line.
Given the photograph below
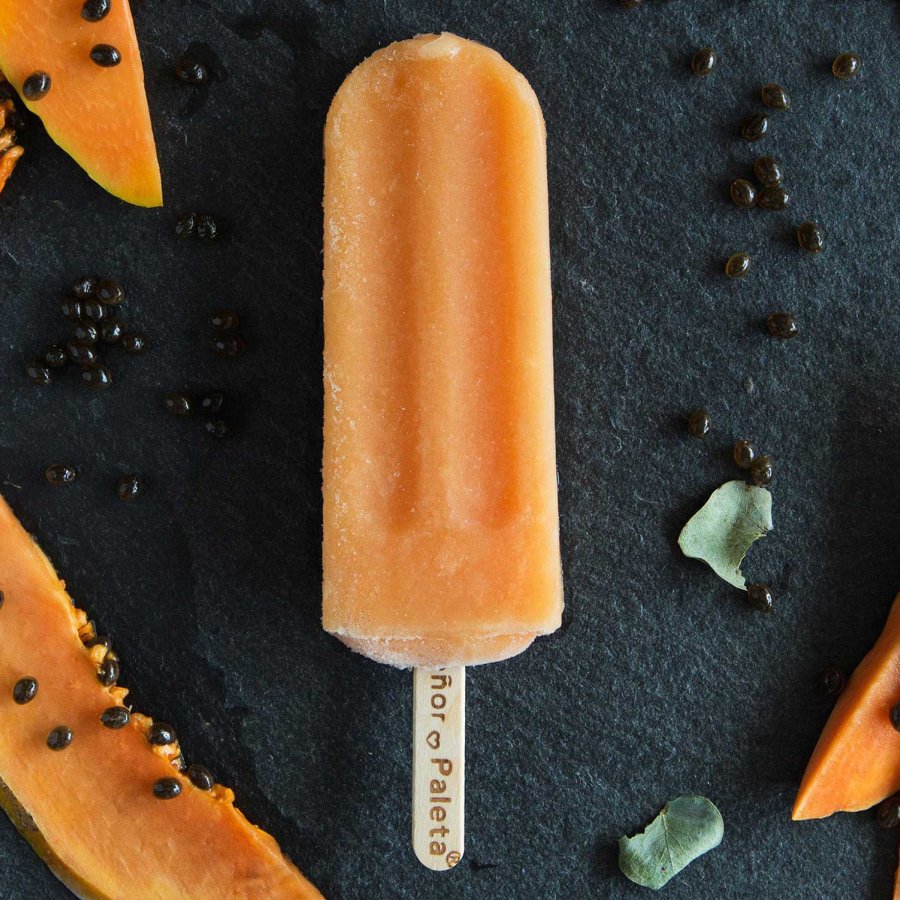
x=432 y=46
x=431 y=50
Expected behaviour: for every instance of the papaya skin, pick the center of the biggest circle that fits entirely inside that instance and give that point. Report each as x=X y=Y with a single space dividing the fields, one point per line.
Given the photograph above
x=26 y=827
x=98 y=116
x=89 y=810
x=856 y=762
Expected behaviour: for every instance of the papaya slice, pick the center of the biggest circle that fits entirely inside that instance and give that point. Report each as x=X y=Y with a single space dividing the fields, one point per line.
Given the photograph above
x=98 y=115
x=10 y=151
x=856 y=762
x=91 y=808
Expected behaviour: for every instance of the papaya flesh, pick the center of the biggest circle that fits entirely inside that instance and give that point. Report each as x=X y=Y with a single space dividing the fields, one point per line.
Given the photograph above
x=856 y=762
x=98 y=115
x=89 y=810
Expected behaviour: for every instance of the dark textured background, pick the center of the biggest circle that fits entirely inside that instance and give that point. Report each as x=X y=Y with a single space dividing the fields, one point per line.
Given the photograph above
x=661 y=681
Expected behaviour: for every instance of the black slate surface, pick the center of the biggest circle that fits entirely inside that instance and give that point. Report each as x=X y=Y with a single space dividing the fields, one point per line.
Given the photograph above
x=661 y=682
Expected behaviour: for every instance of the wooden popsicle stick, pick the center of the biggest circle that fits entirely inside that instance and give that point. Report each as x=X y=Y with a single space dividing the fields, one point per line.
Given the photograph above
x=439 y=766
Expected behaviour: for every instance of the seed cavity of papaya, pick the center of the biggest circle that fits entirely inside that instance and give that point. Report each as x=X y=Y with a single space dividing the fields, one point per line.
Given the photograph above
x=160 y=734
x=10 y=151
x=115 y=717
x=201 y=777
x=109 y=670
x=87 y=632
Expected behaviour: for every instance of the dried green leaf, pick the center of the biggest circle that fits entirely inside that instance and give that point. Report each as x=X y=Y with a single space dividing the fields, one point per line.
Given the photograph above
x=725 y=527
x=685 y=829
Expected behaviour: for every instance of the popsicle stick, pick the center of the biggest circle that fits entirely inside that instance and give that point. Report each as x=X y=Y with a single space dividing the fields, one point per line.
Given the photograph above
x=439 y=766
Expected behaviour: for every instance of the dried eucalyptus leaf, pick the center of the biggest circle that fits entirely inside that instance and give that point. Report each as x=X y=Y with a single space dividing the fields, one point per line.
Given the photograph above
x=685 y=829
x=725 y=527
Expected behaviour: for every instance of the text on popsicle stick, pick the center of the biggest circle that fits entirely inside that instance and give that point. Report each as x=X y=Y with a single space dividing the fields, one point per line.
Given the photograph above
x=438 y=766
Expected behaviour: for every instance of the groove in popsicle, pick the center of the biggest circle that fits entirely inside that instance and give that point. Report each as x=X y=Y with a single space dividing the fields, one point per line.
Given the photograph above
x=472 y=447
x=376 y=287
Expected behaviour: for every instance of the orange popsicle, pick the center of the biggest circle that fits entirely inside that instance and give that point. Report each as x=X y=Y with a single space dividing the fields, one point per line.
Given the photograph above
x=441 y=528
